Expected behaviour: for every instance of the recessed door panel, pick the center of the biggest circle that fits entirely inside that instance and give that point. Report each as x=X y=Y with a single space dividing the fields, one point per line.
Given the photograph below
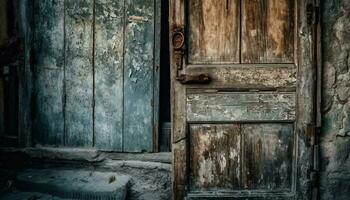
x=268 y=31
x=214 y=31
x=215 y=157
x=241 y=156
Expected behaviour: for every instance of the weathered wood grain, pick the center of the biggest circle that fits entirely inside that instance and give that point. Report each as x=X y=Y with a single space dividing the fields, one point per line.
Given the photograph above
x=240 y=106
x=79 y=73
x=258 y=76
x=25 y=13
x=156 y=77
x=268 y=36
x=138 y=76
x=178 y=106
x=305 y=121
x=48 y=124
x=215 y=157
x=268 y=31
x=109 y=44
x=267 y=160
x=179 y=171
x=214 y=31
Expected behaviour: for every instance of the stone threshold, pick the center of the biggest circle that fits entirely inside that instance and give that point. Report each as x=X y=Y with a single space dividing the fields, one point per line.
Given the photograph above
x=87 y=154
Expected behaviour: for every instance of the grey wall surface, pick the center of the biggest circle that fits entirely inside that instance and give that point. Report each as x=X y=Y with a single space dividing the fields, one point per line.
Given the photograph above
x=335 y=138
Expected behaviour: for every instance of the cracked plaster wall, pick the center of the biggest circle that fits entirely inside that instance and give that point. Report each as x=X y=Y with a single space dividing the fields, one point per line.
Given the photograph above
x=335 y=137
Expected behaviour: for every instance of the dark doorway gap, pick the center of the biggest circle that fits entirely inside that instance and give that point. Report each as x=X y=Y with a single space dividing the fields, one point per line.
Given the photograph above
x=164 y=111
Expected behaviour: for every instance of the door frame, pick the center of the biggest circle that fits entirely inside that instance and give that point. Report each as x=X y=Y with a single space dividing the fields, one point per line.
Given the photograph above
x=307 y=116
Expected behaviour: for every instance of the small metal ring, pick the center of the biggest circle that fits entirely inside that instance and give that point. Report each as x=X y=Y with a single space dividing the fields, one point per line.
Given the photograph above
x=178 y=40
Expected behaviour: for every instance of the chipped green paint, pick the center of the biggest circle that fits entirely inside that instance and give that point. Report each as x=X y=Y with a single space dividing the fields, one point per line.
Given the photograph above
x=96 y=84
x=138 y=75
x=48 y=124
x=241 y=106
x=109 y=74
x=79 y=73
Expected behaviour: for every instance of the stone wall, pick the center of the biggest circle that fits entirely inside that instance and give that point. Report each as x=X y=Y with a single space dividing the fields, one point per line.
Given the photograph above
x=335 y=137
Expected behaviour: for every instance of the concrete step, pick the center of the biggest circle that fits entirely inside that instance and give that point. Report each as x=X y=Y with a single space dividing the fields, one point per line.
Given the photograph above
x=28 y=196
x=74 y=184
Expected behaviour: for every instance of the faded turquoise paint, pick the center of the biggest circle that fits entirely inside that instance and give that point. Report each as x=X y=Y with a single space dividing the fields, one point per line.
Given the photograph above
x=48 y=122
x=138 y=75
x=79 y=73
x=117 y=51
x=109 y=74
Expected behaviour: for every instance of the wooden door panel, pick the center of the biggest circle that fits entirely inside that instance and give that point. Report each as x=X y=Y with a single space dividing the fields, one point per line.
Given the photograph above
x=262 y=76
x=241 y=156
x=215 y=157
x=240 y=106
x=214 y=31
x=267 y=160
x=268 y=31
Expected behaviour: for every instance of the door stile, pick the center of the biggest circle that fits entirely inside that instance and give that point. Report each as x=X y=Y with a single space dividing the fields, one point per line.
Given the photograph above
x=178 y=106
x=306 y=87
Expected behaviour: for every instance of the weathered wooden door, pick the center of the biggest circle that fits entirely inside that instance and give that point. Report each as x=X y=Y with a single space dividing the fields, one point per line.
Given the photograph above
x=242 y=85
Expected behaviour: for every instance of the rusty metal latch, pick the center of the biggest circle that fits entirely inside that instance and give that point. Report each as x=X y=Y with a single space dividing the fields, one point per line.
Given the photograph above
x=194 y=79
x=178 y=42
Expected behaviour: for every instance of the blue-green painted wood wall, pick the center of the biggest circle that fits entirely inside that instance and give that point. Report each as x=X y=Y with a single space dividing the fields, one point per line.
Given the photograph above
x=96 y=74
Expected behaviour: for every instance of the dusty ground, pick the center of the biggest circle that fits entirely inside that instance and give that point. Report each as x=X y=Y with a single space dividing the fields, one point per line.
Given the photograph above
x=149 y=180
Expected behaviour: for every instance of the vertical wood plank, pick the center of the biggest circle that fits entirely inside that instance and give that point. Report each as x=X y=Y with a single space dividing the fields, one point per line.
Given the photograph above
x=79 y=73
x=156 y=76
x=109 y=41
x=268 y=31
x=48 y=124
x=214 y=31
x=267 y=161
x=178 y=109
x=138 y=76
x=25 y=73
x=215 y=157
x=305 y=121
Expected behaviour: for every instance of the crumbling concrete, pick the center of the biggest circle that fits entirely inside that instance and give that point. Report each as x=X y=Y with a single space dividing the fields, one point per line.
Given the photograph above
x=149 y=173
x=80 y=184
x=335 y=138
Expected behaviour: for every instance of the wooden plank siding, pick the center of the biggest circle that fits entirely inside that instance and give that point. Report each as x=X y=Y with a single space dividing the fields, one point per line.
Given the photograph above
x=49 y=72
x=95 y=79
x=79 y=73
x=109 y=44
x=138 y=75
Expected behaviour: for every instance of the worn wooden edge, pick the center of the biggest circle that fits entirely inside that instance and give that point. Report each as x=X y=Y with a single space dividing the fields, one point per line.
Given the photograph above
x=156 y=76
x=306 y=87
x=178 y=119
x=26 y=15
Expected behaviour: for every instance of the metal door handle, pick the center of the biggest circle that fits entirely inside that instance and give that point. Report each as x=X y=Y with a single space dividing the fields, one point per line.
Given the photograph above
x=194 y=79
